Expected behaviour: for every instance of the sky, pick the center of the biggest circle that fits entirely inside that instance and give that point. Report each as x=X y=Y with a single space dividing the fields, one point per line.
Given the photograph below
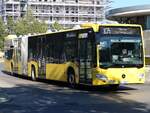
x=125 y=3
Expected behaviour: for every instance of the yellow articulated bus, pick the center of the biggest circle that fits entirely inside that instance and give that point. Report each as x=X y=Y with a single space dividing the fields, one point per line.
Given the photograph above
x=95 y=54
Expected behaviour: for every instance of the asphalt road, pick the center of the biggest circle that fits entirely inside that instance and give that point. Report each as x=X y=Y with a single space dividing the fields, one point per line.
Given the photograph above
x=20 y=95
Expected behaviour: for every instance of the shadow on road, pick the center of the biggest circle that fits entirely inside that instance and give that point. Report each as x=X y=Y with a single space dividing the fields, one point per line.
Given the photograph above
x=102 y=89
x=48 y=98
x=34 y=99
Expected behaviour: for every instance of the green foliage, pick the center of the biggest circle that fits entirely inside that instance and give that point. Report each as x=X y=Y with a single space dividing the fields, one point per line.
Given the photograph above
x=2 y=33
x=28 y=24
x=10 y=25
x=2 y=28
x=56 y=26
x=21 y=27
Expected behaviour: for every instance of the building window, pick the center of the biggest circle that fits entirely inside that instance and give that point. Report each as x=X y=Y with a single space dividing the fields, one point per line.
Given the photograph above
x=67 y=10
x=51 y=9
x=57 y=9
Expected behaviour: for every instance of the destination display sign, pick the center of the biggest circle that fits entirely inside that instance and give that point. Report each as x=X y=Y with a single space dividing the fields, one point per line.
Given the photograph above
x=119 y=30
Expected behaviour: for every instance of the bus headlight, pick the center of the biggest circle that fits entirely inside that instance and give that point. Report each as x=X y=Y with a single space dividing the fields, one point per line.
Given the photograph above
x=141 y=76
x=102 y=77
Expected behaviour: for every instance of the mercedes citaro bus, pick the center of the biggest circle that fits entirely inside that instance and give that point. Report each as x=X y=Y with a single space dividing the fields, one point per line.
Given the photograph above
x=95 y=54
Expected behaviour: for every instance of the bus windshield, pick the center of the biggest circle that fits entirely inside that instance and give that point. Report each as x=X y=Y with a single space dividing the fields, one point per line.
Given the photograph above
x=120 y=51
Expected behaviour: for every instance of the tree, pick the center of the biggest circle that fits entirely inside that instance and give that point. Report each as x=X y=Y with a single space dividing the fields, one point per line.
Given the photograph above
x=56 y=26
x=20 y=28
x=28 y=24
x=10 y=25
x=39 y=27
x=2 y=33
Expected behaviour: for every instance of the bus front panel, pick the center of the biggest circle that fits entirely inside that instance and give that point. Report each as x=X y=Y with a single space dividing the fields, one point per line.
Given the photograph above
x=120 y=56
x=118 y=76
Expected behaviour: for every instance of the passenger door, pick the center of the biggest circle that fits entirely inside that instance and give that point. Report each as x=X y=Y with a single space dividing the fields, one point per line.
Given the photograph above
x=42 y=58
x=17 y=56
x=85 y=56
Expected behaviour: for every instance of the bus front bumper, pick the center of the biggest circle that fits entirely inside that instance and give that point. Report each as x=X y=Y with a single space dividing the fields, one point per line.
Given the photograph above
x=120 y=76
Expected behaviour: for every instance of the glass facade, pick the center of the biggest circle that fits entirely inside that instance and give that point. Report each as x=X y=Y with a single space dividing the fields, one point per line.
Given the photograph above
x=142 y=20
x=148 y=22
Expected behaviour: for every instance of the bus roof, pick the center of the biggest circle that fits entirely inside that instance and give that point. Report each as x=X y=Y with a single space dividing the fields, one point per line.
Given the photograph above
x=67 y=30
x=96 y=26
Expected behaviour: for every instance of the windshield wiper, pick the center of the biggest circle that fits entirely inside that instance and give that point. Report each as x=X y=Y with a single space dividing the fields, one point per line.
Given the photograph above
x=139 y=65
x=105 y=66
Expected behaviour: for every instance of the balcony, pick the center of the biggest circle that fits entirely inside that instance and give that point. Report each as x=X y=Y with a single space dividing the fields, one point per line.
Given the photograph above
x=66 y=4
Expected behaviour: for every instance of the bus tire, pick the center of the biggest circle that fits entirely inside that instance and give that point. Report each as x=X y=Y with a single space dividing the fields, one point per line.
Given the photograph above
x=114 y=87
x=71 y=80
x=33 y=73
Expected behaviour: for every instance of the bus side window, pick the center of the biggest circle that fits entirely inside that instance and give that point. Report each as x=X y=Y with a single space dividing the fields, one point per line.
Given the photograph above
x=8 y=54
x=70 y=46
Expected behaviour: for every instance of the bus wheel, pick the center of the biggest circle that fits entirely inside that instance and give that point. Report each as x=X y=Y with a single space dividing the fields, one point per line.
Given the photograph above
x=114 y=87
x=33 y=74
x=71 y=80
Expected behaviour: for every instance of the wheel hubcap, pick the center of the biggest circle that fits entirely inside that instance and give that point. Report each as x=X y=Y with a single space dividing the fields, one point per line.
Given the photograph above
x=71 y=79
x=32 y=74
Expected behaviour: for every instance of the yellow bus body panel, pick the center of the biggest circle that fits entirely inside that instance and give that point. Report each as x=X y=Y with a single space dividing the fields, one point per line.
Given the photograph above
x=7 y=65
x=56 y=72
x=96 y=26
x=35 y=64
x=114 y=75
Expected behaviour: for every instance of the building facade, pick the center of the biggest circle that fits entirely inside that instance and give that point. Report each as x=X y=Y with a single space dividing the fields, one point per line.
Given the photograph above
x=1 y=7
x=133 y=15
x=65 y=12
